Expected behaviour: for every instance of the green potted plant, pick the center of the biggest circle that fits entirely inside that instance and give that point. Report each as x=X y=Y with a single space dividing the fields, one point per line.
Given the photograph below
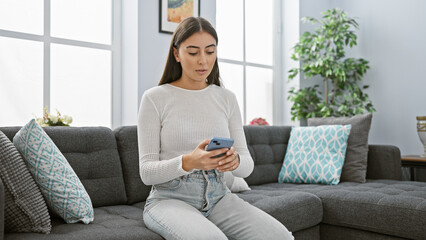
x=322 y=53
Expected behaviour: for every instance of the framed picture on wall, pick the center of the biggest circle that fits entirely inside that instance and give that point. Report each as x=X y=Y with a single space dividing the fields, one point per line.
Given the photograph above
x=172 y=12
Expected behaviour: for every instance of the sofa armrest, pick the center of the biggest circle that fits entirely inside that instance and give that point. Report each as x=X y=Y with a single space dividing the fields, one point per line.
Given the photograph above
x=2 y=206
x=384 y=162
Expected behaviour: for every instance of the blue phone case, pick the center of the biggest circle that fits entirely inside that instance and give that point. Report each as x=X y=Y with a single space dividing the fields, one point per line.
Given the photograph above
x=218 y=143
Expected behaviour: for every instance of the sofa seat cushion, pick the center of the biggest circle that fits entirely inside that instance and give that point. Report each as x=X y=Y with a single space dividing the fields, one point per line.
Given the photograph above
x=383 y=206
x=296 y=210
x=112 y=222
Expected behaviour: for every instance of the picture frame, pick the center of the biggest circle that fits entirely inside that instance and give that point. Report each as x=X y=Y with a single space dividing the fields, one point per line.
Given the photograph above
x=172 y=12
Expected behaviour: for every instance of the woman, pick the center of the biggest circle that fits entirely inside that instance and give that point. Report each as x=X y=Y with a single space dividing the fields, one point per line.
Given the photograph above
x=189 y=199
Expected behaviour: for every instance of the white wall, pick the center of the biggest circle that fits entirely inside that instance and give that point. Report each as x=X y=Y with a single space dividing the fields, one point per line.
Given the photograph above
x=291 y=32
x=129 y=63
x=392 y=38
x=153 y=46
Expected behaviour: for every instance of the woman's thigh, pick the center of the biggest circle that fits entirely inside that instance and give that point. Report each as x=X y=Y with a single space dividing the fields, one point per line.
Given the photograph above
x=241 y=220
x=175 y=219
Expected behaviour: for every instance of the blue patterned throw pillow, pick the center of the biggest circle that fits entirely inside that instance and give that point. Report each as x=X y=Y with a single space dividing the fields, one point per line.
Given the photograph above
x=59 y=184
x=315 y=154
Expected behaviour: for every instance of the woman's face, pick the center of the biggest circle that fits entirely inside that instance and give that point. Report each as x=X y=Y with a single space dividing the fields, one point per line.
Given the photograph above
x=197 y=55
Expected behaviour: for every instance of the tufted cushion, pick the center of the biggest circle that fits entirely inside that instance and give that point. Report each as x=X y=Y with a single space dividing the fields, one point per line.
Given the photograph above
x=127 y=143
x=382 y=206
x=296 y=210
x=267 y=146
x=111 y=223
x=92 y=153
x=337 y=232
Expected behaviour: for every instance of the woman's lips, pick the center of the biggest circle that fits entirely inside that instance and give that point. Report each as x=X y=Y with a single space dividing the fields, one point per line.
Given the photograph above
x=201 y=71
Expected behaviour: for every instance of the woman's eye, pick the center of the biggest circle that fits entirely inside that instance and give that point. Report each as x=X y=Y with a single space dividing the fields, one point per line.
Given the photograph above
x=192 y=54
x=210 y=53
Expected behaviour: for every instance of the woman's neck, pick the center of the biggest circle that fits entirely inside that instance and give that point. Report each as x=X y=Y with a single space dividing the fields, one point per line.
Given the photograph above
x=190 y=85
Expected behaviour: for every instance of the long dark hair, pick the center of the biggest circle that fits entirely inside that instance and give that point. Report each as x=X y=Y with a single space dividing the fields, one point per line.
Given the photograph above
x=189 y=26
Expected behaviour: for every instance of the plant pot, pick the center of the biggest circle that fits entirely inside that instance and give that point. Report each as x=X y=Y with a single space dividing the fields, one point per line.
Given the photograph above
x=421 y=131
x=303 y=122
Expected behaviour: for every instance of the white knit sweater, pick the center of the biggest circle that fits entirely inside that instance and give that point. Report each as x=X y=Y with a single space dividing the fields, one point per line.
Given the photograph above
x=172 y=122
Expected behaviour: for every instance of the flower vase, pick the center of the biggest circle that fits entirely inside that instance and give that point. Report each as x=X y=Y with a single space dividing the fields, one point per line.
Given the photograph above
x=421 y=131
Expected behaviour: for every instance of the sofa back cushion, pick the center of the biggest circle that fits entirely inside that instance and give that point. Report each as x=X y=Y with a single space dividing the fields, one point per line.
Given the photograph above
x=93 y=155
x=127 y=142
x=267 y=146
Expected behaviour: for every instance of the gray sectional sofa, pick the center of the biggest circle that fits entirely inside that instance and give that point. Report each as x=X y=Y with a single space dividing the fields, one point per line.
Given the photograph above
x=106 y=161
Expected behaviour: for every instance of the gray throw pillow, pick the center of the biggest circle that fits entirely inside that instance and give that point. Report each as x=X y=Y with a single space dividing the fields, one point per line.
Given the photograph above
x=25 y=208
x=355 y=165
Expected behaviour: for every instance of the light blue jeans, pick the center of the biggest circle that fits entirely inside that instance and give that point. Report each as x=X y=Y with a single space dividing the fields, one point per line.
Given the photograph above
x=200 y=206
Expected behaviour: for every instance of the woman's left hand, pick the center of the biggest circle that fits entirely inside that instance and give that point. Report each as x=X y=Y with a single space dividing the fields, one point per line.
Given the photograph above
x=229 y=162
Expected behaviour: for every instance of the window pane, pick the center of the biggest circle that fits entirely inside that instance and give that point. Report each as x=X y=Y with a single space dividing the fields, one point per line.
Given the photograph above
x=259 y=43
x=21 y=81
x=232 y=78
x=229 y=26
x=22 y=16
x=259 y=93
x=81 y=84
x=84 y=20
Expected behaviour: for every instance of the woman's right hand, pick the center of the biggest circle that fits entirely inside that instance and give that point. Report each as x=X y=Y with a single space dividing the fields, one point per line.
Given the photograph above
x=202 y=159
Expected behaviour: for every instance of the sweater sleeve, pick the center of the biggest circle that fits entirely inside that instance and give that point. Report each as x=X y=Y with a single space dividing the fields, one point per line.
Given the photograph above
x=237 y=133
x=151 y=169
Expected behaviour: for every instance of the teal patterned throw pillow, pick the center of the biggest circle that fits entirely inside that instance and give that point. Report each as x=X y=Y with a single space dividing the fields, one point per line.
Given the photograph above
x=315 y=154
x=59 y=184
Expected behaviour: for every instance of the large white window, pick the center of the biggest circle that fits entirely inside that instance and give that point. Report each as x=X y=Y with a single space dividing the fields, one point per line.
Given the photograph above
x=59 y=53
x=249 y=55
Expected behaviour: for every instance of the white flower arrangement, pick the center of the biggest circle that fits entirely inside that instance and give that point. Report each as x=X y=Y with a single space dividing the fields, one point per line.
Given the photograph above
x=49 y=119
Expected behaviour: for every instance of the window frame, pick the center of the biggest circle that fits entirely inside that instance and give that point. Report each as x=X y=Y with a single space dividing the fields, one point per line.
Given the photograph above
x=276 y=67
x=114 y=47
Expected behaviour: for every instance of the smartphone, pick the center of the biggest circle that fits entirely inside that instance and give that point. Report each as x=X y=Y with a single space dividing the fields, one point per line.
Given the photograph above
x=218 y=143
